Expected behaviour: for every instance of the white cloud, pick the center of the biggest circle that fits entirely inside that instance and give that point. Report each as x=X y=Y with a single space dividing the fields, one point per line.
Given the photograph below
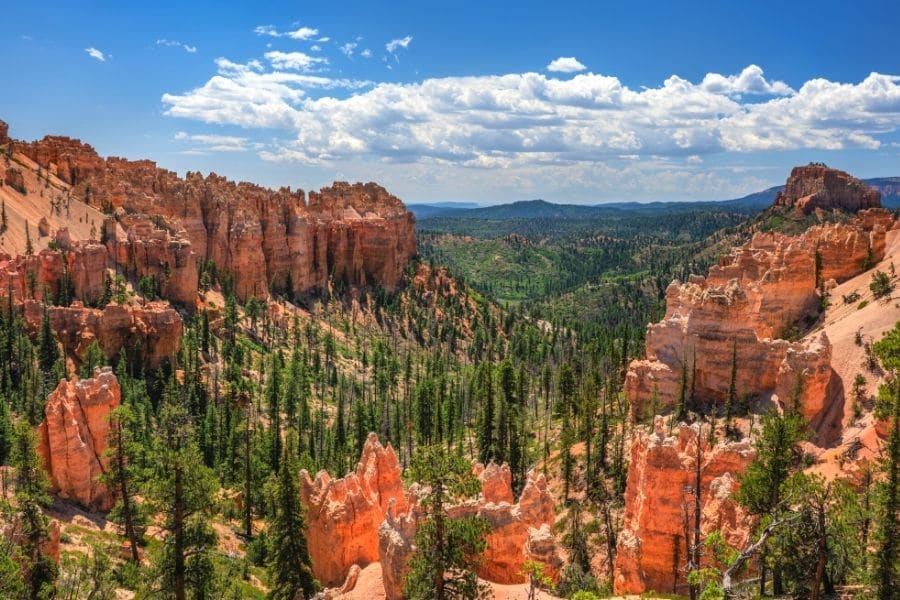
x=211 y=142
x=348 y=48
x=531 y=120
x=366 y=53
x=566 y=64
x=323 y=40
x=303 y=33
x=266 y=30
x=394 y=45
x=176 y=44
x=94 y=53
x=750 y=81
x=298 y=61
x=315 y=48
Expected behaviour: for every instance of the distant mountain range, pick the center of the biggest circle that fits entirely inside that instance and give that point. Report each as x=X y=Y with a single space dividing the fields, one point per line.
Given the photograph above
x=541 y=209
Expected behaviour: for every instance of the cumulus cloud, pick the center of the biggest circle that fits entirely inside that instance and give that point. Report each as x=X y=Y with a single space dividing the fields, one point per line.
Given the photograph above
x=348 y=48
x=176 y=44
x=524 y=120
x=94 y=53
x=394 y=45
x=566 y=64
x=750 y=81
x=298 y=61
x=366 y=53
x=302 y=33
x=211 y=142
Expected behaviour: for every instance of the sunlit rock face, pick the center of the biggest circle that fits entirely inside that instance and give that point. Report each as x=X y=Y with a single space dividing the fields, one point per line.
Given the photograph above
x=74 y=435
x=358 y=233
x=812 y=187
x=651 y=547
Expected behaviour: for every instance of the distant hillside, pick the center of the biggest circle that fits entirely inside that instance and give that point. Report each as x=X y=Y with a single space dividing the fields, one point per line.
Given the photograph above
x=541 y=209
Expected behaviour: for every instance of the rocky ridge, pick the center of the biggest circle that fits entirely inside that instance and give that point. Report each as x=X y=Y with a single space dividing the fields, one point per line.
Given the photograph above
x=358 y=234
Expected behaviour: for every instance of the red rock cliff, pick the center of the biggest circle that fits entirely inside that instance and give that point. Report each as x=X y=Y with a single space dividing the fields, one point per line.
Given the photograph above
x=743 y=307
x=267 y=239
x=73 y=438
x=651 y=547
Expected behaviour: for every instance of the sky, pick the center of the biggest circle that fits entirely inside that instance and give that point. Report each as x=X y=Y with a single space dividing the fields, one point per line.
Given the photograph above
x=581 y=102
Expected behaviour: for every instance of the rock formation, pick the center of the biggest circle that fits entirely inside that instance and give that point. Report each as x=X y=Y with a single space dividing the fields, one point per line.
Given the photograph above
x=367 y=517
x=144 y=250
x=343 y=515
x=13 y=178
x=742 y=308
x=154 y=329
x=73 y=437
x=80 y=265
x=359 y=234
x=518 y=532
x=815 y=186
x=651 y=547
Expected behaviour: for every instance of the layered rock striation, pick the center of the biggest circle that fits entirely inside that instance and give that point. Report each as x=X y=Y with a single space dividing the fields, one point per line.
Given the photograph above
x=358 y=234
x=72 y=438
x=652 y=551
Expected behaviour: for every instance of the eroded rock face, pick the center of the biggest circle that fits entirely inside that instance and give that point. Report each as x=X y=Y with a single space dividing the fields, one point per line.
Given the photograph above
x=651 y=547
x=518 y=532
x=82 y=264
x=13 y=178
x=367 y=517
x=73 y=438
x=357 y=233
x=343 y=515
x=817 y=186
x=155 y=329
x=144 y=250
x=742 y=308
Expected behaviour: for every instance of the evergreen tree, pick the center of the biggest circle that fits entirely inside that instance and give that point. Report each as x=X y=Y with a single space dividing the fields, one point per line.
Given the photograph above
x=121 y=476
x=48 y=352
x=290 y=567
x=182 y=489
x=447 y=549
x=31 y=494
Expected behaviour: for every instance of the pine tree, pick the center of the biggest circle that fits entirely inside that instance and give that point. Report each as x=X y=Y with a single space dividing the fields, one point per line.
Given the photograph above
x=48 y=352
x=290 y=567
x=182 y=489
x=29 y=248
x=887 y=558
x=763 y=483
x=31 y=494
x=121 y=476
x=447 y=549
x=486 y=399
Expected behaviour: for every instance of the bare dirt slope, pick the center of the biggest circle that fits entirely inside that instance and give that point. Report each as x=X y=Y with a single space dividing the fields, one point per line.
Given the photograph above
x=46 y=197
x=851 y=326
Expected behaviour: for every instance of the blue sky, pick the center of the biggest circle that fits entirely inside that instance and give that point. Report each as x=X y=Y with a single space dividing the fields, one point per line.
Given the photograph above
x=486 y=101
